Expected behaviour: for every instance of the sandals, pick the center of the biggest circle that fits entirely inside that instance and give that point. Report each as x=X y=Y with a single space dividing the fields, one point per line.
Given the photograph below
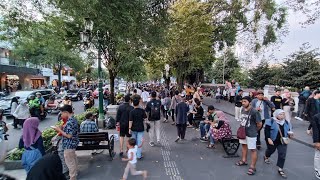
x=282 y=174
x=251 y=171
x=266 y=160
x=211 y=146
x=241 y=163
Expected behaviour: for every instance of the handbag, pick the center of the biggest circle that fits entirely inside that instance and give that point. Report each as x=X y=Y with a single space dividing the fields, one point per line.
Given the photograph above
x=241 y=132
x=284 y=140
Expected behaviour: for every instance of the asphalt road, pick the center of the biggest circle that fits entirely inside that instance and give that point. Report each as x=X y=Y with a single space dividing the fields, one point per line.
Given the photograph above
x=51 y=119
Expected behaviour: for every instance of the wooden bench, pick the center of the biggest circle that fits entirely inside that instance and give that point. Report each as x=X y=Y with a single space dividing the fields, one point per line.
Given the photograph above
x=230 y=146
x=97 y=137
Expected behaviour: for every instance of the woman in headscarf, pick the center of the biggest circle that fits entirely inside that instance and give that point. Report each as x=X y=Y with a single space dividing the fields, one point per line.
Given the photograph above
x=48 y=167
x=288 y=106
x=32 y=142
x=277 y=131
x=22 y=112
x=219 y=129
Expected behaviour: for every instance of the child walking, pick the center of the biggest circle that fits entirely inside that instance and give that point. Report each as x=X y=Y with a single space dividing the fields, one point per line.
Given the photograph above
x=132 y=160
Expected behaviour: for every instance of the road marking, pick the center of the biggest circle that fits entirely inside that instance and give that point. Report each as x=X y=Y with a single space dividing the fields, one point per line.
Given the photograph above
x=170 y=166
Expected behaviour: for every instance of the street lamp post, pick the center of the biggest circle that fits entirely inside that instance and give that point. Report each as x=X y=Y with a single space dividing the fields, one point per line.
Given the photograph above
x=86 y=37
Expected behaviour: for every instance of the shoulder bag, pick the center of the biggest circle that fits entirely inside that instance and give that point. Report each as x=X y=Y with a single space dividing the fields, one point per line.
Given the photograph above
x=284 y=140
x=241 y=132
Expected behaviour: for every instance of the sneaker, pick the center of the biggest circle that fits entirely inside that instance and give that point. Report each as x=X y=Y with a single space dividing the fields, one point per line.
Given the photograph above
x=178 y=138
x=298 y=118
x=151 y=144
x=203 y=139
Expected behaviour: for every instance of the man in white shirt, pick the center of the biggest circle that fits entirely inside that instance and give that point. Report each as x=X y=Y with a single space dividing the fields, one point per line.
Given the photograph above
x=144 y=97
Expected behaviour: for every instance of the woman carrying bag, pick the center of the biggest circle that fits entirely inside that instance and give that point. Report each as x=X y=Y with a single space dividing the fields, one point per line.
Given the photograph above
x=277 y=134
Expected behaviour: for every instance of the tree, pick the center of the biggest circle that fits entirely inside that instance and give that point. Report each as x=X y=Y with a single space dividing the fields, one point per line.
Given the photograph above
x=260 y=76
x=131 y=27
x=231 y=68
x=302 y=68
x=189 y=43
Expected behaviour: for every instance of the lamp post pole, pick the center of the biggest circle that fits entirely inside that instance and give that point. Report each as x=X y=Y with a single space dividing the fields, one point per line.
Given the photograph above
x=101 y=111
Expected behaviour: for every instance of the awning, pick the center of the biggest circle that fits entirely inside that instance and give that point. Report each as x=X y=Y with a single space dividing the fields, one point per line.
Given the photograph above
x=36 y=77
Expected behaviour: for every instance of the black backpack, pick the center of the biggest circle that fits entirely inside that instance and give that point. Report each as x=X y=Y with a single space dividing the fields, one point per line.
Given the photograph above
x=110 y=123
x=155 y=110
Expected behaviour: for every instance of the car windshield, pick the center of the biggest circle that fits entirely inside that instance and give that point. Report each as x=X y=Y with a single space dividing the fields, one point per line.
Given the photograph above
x=72 y=91
x=21 y=94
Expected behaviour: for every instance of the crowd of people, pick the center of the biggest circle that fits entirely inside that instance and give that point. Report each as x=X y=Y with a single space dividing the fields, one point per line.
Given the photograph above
x=146 y=106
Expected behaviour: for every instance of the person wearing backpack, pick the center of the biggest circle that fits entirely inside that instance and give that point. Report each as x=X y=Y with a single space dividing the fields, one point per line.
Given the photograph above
x=153 y=110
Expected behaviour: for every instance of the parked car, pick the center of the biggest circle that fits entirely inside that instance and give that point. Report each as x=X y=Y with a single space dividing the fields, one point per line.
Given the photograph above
x=5 y=103
x=76 y=94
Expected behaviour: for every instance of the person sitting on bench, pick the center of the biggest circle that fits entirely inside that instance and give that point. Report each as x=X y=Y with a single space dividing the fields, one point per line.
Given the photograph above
x=219 y=129
x=87 y=126
x=197 y=113
x=205 y=125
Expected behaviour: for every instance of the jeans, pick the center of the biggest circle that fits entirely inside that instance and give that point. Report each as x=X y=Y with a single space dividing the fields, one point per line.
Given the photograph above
x=154 y=131
x=301 y=108
x=211 y=138
x=282 y=152
x=105 y=102
x=317 y=163
x=138 y=136
x=181 y=129
x=204 y=128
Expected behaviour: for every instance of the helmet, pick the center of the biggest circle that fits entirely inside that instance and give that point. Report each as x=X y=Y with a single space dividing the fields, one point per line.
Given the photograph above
x=38 y=93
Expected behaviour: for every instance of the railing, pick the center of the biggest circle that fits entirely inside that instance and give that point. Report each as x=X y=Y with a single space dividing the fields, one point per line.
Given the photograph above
x=18 y=63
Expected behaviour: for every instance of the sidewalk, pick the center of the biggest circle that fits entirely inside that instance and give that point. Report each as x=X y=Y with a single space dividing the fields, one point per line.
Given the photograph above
x=299 y=127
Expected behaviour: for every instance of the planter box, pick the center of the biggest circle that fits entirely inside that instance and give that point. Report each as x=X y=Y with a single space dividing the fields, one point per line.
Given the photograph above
x=12 y=165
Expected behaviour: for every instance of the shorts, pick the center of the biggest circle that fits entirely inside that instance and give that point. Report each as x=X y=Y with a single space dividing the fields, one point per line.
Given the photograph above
x=124 y=131
x=251 y=142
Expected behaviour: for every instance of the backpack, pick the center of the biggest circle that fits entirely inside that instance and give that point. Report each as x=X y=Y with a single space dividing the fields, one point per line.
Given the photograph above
x=30 y=157
x=110 y=123
x=155 y=110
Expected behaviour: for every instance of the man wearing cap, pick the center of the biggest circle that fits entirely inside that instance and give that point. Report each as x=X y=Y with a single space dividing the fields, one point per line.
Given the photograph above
x=70 y=140
x=153 y=110
x=251 y=120
x=263 y=106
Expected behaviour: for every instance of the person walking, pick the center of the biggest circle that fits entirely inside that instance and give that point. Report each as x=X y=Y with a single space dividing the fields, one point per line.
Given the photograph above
x=288 y=106
x=22 y=112
x=122 y=120
x=312 y=108
x=174 y=101
x=316 y=141
x=277 y=131
x=238 y=105
x=303 y=96
x=182 y=118
x=166 y=107
x=145 y=97
x=153 y=110
x=276 y=100
x=251 y=120
x=137 y=117
x=14 y=105
x=263 y=106
x=70 y=140
x=132 y=160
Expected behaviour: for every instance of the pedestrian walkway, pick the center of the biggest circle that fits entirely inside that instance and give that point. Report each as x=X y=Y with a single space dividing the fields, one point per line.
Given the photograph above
x=299 y=127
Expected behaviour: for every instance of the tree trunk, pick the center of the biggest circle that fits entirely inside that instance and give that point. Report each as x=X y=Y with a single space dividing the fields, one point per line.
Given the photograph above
x=59 y=75
x=112 y=76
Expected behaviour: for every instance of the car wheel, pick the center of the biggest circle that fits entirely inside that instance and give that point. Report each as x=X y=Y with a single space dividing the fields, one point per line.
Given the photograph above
x=79 y=98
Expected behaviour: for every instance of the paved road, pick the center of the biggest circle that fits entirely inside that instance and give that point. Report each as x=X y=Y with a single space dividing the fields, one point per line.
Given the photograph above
x=15 y=134
x=191 y=160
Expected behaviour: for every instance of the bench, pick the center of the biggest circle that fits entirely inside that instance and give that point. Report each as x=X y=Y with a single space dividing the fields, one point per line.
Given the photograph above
x=97 y=137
